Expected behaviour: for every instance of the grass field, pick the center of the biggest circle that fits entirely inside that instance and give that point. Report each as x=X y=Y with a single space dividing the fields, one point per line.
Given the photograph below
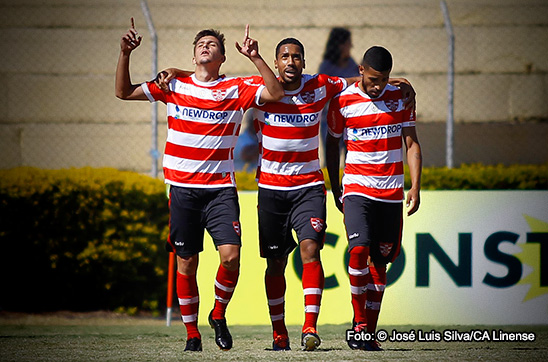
x=107 y=337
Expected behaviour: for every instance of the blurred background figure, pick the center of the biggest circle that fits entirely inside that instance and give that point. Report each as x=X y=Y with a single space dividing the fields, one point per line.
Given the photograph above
x=336 y=57
x=336 y=62
x=246 y=152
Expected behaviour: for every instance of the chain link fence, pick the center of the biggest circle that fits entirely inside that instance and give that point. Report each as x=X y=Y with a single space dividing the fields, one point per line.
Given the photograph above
x=58 y=108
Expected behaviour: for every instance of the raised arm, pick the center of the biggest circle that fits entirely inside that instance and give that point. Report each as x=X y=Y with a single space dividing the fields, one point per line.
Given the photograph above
x=124 y=89
x=414 y=160
x=250 y=48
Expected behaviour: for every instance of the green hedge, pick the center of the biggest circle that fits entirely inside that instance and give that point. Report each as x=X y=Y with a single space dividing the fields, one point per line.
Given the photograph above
x=88 y=239
x=81 y=239
x=466 y=177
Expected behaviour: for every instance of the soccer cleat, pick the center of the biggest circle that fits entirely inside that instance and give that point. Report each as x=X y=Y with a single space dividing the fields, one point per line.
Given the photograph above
x=222 y=335
x=194 y=345
x=281 y=343
x=310 y=339
x=353 y=343
x=373 y=346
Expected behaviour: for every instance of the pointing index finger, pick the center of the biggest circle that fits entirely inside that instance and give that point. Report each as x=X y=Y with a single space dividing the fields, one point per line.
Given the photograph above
x=246 y=31
x=132 y=24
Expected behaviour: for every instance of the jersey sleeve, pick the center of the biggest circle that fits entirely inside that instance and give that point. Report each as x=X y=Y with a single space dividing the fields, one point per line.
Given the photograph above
x=335 y=120
x=153 y=93
x=409 y=117
x=251 y=90
x=333 y=85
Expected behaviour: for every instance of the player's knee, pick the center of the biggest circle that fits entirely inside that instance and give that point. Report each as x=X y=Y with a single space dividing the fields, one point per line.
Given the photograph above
x=276 y=267
x=310 y=251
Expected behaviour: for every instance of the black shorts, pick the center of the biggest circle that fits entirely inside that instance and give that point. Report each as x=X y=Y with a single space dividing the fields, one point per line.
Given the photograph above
x=191 y=210
x=375 y=224
x=282 y=211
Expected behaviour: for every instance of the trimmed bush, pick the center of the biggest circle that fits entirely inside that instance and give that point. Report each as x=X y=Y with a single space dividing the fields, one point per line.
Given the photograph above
x=81 y=239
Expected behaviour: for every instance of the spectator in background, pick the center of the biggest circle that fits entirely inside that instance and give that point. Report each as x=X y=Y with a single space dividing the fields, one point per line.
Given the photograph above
x=336 y=62
x=336 y=57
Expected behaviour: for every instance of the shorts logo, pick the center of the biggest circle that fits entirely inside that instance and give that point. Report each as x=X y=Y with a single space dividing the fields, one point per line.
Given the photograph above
x=355 y=235
x=317 y=224
x=392 y=105
x=385 y=248
x=218 y=94
x=236 y=225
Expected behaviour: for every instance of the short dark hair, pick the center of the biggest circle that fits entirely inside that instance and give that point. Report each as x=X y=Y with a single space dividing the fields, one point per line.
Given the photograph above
x=378 y=58
x=337 y=36
x=289 y=41
x=214 y=33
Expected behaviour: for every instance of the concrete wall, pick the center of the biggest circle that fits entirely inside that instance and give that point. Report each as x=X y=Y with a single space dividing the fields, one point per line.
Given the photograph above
x=57 y=106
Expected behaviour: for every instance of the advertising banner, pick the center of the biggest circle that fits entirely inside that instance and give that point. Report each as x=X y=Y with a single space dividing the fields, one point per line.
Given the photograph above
x=468 y=257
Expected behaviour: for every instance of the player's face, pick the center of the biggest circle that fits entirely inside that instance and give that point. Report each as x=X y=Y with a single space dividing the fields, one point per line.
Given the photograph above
x=208 y=50
x=290 y=65
x=373 y=81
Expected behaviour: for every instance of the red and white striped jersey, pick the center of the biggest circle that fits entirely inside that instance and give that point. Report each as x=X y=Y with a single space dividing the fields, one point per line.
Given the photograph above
x=372 y=130
x=204 y=120
x=288 y=134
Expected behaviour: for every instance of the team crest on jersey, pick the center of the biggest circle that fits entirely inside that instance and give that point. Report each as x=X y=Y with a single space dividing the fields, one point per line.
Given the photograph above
x=392 y=105
x=236 y=225
x=385 y=248
x=317 y=224
x=308 y=97
x=218 y=94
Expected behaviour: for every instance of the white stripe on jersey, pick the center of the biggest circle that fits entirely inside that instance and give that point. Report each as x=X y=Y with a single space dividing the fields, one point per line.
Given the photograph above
x=285 y=145
x=186 y=165
x=381 y=157
x=189 y=89
x=376 y=182
x=199 y=141
x=373 y=133
x=293 y=168
x=202 y=115
x=290 y=120
x=368 y=108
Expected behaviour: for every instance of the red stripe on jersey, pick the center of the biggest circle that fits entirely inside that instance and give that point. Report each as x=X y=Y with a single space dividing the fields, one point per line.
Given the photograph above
x=383 y=144
x=192 y=153
x=383 y=194
x=289 y=180
x=279 y=156
x=291 y=133
x=374 y=169
x=198 y=178
x=207 y=129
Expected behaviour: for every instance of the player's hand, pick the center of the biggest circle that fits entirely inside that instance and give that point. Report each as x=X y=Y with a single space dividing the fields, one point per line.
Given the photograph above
x=164 y=77
x=249 y=47
x=337 y=195
x=131 y=39
x=408 y=94
x=413 y=201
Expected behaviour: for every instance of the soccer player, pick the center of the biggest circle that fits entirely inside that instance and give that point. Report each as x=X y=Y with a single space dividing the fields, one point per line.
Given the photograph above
x=204 y=112
x=371 y=117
